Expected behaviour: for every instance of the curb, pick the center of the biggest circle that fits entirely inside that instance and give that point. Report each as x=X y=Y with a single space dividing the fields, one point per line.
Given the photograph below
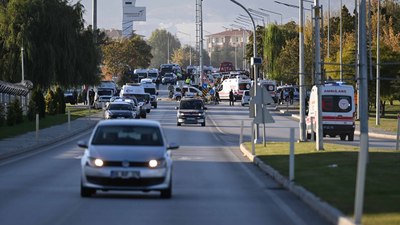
x=332 y=214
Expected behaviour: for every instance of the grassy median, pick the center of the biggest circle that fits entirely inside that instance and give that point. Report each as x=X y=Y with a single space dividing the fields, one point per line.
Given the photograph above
x=331 y=175
x=48 y=121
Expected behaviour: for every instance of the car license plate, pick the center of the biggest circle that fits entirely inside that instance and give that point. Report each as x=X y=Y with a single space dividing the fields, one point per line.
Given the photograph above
x=125 y=174
x=190 y=118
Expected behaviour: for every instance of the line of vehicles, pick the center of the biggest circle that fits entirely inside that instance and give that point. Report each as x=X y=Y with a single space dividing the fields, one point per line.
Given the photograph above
x=134 y=155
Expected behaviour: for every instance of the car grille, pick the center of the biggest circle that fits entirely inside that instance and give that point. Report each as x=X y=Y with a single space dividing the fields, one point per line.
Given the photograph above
x=125 y=164
x=131 y=182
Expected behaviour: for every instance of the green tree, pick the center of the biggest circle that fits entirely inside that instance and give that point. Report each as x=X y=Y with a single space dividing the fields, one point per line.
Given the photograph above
x=119 y=56
x=57 y=49
x=274 y=41
x=287 y=63
x=162 y=42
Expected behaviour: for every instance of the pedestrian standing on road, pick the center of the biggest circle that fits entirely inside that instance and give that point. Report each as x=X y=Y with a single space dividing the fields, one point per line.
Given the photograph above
x=216 y=97
x=291 y=96
x=231 y=98
x=282 y=96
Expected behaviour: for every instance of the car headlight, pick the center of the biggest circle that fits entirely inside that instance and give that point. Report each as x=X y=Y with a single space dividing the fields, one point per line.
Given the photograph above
x=156 y=163
x=200 y=114
x=95 y=162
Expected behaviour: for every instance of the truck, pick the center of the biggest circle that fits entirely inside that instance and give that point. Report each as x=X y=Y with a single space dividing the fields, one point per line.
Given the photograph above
x=338 y=111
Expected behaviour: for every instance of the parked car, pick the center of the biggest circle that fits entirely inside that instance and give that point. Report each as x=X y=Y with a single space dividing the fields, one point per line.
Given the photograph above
x=246 y=98
x=126 y=155
x=119 y=110
x=191 y=111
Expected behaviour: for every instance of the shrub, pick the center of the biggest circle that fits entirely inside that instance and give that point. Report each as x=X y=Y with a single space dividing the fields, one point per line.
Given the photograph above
x=51 y=104
x=2 y=114
x=19 y=117
x=38 y=99
x=14 y=113
x=32 y=110
x=10 y=115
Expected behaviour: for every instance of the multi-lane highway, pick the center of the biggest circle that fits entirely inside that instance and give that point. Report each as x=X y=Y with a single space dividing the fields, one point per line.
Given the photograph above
x=213 y=183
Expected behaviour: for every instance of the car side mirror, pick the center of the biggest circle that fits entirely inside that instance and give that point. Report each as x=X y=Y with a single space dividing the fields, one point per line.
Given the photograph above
x=172 y=146
x=83 y=144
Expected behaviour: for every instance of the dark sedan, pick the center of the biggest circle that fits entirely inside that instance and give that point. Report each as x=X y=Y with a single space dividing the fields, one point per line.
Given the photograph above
x=119 y=110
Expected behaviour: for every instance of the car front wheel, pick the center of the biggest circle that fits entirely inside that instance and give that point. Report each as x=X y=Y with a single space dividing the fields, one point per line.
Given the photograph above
x=87 y=192
x=167 y=193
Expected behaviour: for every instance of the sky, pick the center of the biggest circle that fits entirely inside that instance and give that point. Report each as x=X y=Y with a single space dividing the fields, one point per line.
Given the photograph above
x=179 y=16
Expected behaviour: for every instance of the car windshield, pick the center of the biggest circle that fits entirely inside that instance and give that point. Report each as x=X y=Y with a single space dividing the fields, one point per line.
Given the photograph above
x=191 y=105
x=120 y=107
x=142 y=97
x=151 y=91
x=127 y=135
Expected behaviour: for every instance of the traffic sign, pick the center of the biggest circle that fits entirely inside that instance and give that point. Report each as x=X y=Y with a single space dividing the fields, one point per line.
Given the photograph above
x=263 y=96
x=263 y=116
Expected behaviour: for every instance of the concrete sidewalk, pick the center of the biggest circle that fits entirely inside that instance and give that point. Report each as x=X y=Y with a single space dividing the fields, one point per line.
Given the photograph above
x=28 y=142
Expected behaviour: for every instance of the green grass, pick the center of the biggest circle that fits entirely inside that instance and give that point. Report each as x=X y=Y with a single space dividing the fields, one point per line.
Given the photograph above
x=387 y=122
x=336 y=184
x=48 y=121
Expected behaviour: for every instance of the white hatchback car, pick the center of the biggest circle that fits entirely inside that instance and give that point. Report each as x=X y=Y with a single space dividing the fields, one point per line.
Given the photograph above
x=127 y=155
x=246 y=98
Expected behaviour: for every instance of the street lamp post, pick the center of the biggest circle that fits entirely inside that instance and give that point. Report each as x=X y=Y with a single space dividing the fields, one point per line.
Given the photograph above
x=272 y=13
x=255 y=65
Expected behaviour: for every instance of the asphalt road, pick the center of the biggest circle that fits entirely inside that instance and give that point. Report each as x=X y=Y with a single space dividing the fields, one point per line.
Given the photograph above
x=213 y=183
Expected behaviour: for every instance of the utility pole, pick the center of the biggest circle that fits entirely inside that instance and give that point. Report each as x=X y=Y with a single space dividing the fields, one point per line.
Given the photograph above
x=318 y=81
x=341 y=44
x=94 y=19
x=22 y=64
x=363 y=153
x=378 y=71
x=302 y=124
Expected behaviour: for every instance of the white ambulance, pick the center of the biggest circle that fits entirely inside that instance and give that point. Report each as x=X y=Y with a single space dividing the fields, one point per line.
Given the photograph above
x=237 y=85
x=338 y=111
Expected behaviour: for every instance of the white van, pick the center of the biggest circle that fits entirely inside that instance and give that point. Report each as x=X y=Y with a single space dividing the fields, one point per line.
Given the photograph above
x=136 y=90
x=153 y=74
x=338 y=111
x=238 y=85
x=187 y=91
x=150 y=87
